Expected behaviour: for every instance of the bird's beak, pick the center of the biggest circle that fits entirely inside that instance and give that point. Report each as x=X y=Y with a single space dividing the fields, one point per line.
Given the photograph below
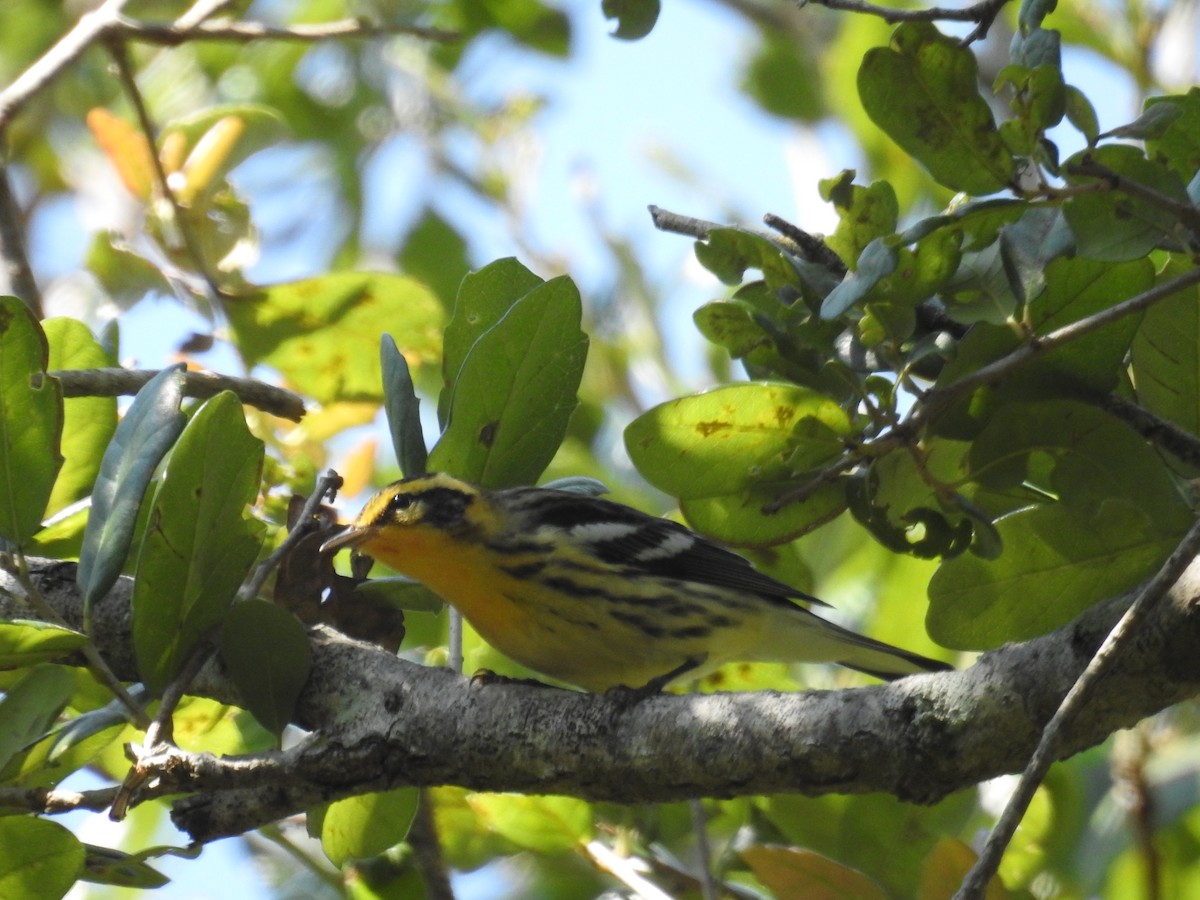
x=351 y=537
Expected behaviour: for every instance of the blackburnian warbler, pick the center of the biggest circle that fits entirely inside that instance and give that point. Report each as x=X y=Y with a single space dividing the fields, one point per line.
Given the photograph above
x=597 y=594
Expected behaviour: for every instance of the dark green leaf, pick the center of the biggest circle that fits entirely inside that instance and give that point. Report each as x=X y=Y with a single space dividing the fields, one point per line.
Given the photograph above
x=31 y=421
x=323 y=333
x=266 y=651
x=516 y=391
x=29 y=707
x=922 y=91
x=141 y=440
x=1115 y=225
x=38 y=858
x=88 y=422
x=104 y=865
x=484 y=297
x=199 y=544
x=635 y=18
x=403 y=409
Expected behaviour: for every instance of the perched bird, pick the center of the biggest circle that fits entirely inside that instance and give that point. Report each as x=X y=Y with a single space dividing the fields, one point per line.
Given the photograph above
x=597 y=594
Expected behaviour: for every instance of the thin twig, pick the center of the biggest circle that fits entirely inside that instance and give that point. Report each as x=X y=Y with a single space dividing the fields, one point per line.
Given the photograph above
x=90 y=28
x=178 y=213
x=1187 y=214
x=937 y=399
x=1155 y=589
x=983 y=12
x=427 y=849
x=174 y=34
x=16 y=275
x=117 y=382
x=1175 y=440
x=327 y=487
x=56 y=800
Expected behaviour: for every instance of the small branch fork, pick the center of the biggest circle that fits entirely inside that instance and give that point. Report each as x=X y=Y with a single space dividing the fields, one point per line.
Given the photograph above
x=108 y=23
x=983 y=13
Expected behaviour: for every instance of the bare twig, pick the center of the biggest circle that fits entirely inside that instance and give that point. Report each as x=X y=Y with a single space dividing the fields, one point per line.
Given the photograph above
x=983 y=13
x=171 y=35
x=327 y=487
x=116 y=382
x=56 y=800
x=182 y=225
x=1165 y=434
x=16 y=275
x=1151 y=593
x=427 y=849
x=90 y=28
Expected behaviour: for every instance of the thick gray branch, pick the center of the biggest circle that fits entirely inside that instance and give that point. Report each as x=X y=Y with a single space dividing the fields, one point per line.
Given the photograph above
x=380 y=722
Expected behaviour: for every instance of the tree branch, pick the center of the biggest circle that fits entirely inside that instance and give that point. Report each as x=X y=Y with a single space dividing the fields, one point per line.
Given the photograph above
x=384 y=722
x=116 y=382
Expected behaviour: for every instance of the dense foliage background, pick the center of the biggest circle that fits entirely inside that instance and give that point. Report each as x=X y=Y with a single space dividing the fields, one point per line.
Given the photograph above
x=980 y=387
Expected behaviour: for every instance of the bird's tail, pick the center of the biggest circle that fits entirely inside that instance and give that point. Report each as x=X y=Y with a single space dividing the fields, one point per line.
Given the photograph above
x=813 y=639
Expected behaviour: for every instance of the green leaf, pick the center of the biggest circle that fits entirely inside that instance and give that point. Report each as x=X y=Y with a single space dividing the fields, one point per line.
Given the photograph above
x=1082 y=114
x=1056 y=564
x=367 y=825
x=1117 y=517
x=403 y=409
x=1076 y=288
x=484 y=297
x=516 y=391
x=737 y=518
x=322 y=333
x=545 y=824
x=199 y=544
x=733 y=438
x=922 y=91
x=38 y=858
x=266 y=651
x=1166 y=358
x=729 y=252
x=31 y=421
x=142 y=438
x=125 y=276
x=29 y=707
x=88 y=422
x=1177 y=144
x=635 y=18
x=27 y=642
x=866 y=213
x=783 y=78
x=105 y=865
x=1114 y=225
